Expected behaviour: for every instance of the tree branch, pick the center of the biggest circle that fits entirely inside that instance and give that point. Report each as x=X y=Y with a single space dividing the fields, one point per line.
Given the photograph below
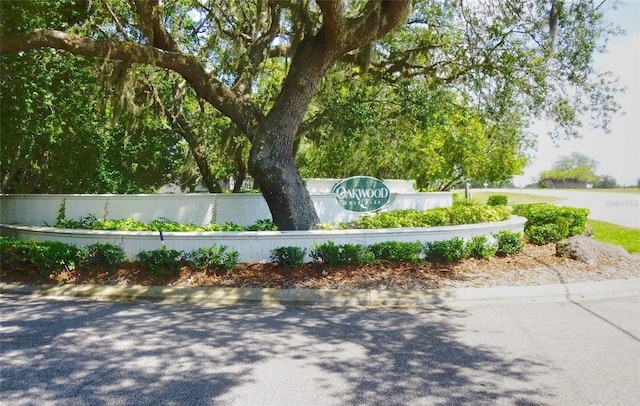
x=241 y=111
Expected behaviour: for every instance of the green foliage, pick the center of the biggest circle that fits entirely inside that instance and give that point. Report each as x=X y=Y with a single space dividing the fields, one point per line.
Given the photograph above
x=479 y=246
x=104 y=255
x=497 y=200
x=160 y=224
x=397 y=251
x=213 y=257
x=548 y=223
x=509 y=242
x=47 y=256
x=288 y=255
x=342 y=254
x=466 y=202
x=262 y=225
x=440 y=216
x=447 y=250
x=161 y=261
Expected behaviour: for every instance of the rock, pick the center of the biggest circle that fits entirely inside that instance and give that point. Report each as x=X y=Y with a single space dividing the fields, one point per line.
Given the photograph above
x=582 y=248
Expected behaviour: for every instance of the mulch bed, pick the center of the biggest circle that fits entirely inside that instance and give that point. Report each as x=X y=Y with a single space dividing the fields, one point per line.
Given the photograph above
x=535 y=265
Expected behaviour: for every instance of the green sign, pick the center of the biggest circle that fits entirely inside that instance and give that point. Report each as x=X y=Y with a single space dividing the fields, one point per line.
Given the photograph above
x=361 y=194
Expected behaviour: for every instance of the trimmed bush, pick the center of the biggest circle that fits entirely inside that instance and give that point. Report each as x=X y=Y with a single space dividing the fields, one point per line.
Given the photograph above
x=446 y=250
x=159 y=261
x=479 y=246
x=342 y=254
x=440 y=216
x=288 y=256
x=497 y=200
x=104 y=255
x=397 y=251
x=509 y=242
x=547 y=223
x=47 y=256
x=213 y=257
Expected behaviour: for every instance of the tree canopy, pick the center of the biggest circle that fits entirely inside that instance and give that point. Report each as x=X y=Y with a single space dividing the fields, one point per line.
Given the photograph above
x=490 y=67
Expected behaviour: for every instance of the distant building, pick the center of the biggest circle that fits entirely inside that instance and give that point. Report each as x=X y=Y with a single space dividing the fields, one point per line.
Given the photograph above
x=566 y=184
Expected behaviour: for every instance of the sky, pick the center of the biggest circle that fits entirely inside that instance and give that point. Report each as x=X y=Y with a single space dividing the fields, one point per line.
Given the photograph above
x=617 y=152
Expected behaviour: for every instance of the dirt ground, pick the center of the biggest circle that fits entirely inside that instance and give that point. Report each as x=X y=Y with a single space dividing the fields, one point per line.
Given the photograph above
x=535 y=265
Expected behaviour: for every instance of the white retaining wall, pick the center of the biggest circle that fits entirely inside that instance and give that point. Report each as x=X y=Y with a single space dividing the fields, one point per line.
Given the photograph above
x=254 y=246
x=197 y=208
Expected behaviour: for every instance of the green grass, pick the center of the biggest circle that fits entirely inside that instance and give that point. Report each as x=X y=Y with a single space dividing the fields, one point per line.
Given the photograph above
x=627 y=238
x=514 y=198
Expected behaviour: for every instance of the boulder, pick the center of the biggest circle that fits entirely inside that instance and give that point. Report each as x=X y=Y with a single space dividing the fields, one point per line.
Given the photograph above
x=582 y=248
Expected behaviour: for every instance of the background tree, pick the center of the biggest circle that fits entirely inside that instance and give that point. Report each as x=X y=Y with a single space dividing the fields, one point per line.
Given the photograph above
x=575 y=170
x=500 y=58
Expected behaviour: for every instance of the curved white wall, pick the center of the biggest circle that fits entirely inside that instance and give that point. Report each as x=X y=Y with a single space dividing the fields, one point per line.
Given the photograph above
x=196 y=208
x=254 y=246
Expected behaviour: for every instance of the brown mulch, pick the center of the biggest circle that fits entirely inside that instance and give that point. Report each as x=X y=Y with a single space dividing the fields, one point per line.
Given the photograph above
x=535 y=265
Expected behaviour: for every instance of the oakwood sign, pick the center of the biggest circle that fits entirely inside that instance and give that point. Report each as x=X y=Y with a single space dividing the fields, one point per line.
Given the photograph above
x=361 y=194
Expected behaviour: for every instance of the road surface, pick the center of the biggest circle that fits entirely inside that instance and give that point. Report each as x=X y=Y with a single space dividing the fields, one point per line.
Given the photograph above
x=75 y=352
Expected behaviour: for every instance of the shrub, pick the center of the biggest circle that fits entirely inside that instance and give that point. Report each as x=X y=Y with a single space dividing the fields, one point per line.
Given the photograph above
x=548 y=223
x=479 y=246
x=447 y=250
x=47 y=256
x=263 y=225
x=159 y=261
x=497 y=200
x=213 y=257
x=466 y=202
x=509 y=242
x=333 y=254
x=397 y=251
x=440 y=216
x=288 y=256
x=104 y=255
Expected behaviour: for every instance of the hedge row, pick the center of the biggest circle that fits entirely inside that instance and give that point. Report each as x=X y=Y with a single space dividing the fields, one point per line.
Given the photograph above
x=505 y=242
x=54 y=256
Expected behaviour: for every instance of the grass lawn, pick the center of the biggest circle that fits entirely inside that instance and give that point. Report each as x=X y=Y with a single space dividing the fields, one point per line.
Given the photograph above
x=513 y=198
x=628 y=238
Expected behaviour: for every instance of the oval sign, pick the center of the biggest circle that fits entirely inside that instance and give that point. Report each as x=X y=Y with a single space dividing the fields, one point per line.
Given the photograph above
x=361 y=194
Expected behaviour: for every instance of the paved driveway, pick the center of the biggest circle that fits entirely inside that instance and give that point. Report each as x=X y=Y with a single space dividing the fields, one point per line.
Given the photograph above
x=617 y=208
x=75 y=352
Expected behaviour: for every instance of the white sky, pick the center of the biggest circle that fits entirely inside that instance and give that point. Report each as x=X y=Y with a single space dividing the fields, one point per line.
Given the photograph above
x=618 y=152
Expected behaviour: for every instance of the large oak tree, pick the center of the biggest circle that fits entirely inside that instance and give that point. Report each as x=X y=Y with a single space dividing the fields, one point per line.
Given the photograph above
x=522 y=57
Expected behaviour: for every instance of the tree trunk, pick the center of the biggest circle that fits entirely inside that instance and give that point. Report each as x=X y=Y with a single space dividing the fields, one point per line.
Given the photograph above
x=272 y=161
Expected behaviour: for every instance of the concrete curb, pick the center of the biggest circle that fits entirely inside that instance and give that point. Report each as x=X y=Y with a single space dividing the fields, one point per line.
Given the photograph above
x=425 y=299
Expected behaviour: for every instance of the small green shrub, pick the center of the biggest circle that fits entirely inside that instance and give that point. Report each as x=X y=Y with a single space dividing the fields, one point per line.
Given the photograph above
x=288 y=256
x=447 y=250
x=263 y=225
x=159 y=261
x=333 y=254
x=547 y=223
x=104 y=255
x=47 y=256
x=213 y=257
x=509 y=242
x=497 y=200
x=397 y=251
x=466 y=202
x=479 y=246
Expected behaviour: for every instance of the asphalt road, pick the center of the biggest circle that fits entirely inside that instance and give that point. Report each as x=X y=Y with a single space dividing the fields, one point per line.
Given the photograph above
x=76 y=352
x=617 y=208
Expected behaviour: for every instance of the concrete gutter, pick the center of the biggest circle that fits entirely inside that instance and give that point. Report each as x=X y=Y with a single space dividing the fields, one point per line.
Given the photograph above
x=424 y=299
